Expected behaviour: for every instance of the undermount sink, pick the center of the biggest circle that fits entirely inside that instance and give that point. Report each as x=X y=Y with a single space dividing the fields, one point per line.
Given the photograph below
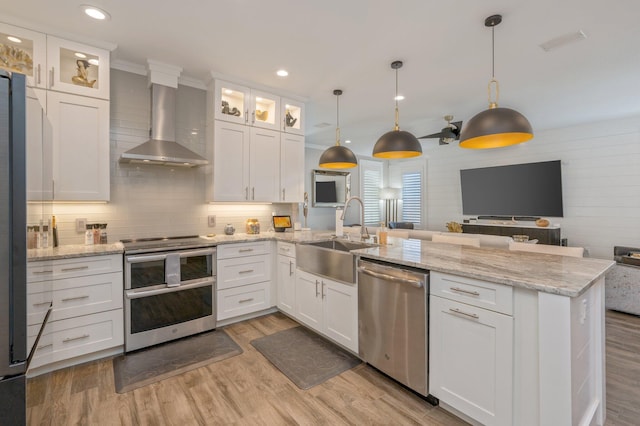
x=331 y=259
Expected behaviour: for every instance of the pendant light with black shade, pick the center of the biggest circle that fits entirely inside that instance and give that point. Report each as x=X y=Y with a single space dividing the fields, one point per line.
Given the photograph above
x=397 y=143
x=495 y=127
x=338 y=156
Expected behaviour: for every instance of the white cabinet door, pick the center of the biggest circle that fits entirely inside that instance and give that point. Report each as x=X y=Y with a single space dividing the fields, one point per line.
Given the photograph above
x=340 y=313
x=264 y=165
x=471 y=360
x=308 y=300
x=231 y=102
x=39 y=152
x=286 y=284
x=230 y=165
x=77 y=68
x=291 y=168
x=80 y=140
x=26 y=53
x=292 y=116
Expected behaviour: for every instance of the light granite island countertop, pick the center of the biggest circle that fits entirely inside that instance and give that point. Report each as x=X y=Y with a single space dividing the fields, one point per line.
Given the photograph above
x=562 y=275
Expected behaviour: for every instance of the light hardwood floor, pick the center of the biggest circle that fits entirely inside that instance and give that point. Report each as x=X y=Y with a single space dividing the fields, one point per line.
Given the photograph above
x=247 y=389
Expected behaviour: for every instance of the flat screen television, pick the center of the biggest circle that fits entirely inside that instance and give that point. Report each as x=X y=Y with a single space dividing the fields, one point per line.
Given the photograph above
x=326 y=192
x=531 y=189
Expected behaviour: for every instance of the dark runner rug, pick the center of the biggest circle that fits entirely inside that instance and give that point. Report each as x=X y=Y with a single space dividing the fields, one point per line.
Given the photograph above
x=146 y=366
x=306 y=358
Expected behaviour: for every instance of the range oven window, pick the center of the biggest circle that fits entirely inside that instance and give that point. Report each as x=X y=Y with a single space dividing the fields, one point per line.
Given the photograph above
x=163 y=310
x=195 y=267
x=148 y=273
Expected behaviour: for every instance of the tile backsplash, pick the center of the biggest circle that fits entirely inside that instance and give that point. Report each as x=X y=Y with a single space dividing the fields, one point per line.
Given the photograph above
x=153 y=200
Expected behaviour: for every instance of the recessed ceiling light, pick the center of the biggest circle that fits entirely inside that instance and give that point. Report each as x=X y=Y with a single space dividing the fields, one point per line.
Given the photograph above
x=94 y=62
x=194 y=132
x=14 y=39
x=80 y=55
x=95 y=12
x=282 y=73
x=399 y=98
x=347 y=141
x=228 y=91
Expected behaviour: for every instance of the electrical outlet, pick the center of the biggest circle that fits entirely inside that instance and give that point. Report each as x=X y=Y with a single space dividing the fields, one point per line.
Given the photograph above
x=211 y=220
x=81 y=224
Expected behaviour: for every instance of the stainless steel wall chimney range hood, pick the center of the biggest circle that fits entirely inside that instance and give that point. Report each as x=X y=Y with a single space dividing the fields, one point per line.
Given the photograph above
x=162 y=148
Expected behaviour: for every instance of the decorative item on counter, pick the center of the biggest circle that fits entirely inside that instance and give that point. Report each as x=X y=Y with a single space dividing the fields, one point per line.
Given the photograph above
x=96 y=233
x=103 y=233
x=262 y=115
x=230 y=111
x=44 y=238
x=520 y=238
x=253 y=226
x=454 y=227
x=290 y=120
x=88 y=236
x=382 y=234
x=305 y=208
x=31 y=237
x=54 y=230
x=543 y=223
x=82 y=76
x=229 y=229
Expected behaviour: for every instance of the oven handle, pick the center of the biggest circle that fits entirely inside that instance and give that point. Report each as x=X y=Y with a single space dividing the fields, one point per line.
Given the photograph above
x=146 y=258
x=132 y=294
x=197 y=252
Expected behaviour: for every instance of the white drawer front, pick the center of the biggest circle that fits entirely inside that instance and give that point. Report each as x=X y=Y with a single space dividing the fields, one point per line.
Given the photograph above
x=76 y=267
x=287 y=249
x=227 y=251
x=238 y=301
x=77 y=336
x=243 y=270
x=74 y=297
x=496 y=297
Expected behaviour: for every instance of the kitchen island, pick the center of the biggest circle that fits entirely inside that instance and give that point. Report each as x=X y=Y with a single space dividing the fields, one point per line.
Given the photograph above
x=515 y=338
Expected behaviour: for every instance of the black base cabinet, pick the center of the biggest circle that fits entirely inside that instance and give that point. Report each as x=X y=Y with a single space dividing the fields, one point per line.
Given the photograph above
x=549 y=236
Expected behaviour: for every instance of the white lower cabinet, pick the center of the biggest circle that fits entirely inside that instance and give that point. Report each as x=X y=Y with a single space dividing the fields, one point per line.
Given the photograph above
x=286 y=276
x=87 y=315
x=471 y=353
x=329 y=307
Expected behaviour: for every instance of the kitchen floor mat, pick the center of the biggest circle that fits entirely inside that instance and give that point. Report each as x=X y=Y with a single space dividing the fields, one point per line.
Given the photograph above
x=306 y=358
x=150 y=365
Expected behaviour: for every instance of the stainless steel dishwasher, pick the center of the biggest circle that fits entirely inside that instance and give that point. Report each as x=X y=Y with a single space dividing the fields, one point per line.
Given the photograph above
x=393 y=322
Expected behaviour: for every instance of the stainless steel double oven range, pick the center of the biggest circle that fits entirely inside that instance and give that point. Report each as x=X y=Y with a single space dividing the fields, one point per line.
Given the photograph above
x=169 y=290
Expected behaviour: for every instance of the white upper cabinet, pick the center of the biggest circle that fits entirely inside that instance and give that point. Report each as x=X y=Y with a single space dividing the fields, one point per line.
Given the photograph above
x=77 y=68
x=242 y=105
x=291 y=168
x=24 y=51
x=38 y=145
x=292 y=116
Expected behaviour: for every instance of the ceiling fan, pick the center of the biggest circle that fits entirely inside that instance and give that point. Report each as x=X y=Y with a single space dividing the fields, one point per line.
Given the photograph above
x=450 y=133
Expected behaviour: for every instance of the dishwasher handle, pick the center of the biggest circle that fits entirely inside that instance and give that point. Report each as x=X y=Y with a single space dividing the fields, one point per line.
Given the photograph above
x=387 y=277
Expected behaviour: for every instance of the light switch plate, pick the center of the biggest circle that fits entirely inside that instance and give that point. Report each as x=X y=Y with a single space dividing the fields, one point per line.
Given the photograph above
x=211 y=220
x=81 y=224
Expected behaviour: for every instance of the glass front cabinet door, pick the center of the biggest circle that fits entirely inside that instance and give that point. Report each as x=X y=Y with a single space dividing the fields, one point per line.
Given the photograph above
x=24 y=51
x=292 y=116
x=77 y=68
x=265 y=110
x=231 y=102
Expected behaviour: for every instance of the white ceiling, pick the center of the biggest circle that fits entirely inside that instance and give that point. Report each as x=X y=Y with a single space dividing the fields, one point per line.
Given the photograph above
x=349 y=44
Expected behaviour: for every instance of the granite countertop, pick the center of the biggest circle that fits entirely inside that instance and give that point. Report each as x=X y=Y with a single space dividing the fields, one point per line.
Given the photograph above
x=563 y=275
x=73 y=250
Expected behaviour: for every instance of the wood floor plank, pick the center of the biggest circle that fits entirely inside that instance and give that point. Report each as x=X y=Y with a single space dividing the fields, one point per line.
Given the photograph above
x=248 y=390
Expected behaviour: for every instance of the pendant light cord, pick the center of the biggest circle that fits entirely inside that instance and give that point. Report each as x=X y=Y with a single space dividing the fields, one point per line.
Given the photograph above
x=337 y=120
x=397 y=127
x=493 y=103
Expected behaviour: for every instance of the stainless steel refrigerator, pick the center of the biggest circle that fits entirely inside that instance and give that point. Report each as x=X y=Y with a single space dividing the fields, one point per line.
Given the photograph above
x=13 y=251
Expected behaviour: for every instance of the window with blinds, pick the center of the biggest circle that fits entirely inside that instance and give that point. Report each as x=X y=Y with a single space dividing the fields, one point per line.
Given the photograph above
x=371 y=182
x=412 y=197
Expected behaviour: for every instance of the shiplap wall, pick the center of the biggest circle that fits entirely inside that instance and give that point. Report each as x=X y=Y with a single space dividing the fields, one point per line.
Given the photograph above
x=153 y=200
x=600 y=174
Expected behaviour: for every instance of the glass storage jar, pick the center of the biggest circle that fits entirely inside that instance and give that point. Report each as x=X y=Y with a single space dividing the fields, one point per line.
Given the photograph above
x=253 y=226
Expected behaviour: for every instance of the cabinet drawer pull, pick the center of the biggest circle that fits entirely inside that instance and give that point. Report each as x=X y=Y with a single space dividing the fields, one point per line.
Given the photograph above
x=461 y=290
x=42 y=272
x=458 y=311
x=77 y=268
x=245 y=250
x=290 y=267
x=42 y=303
x=324 y=295
x=245 y=300
x=283 y=196
x=253 y=193
x=247 y=271
x=246 y=193
x=71 y=339
x=287 y=249
x=68 y=299
x=51 y=74
x=44 y=346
